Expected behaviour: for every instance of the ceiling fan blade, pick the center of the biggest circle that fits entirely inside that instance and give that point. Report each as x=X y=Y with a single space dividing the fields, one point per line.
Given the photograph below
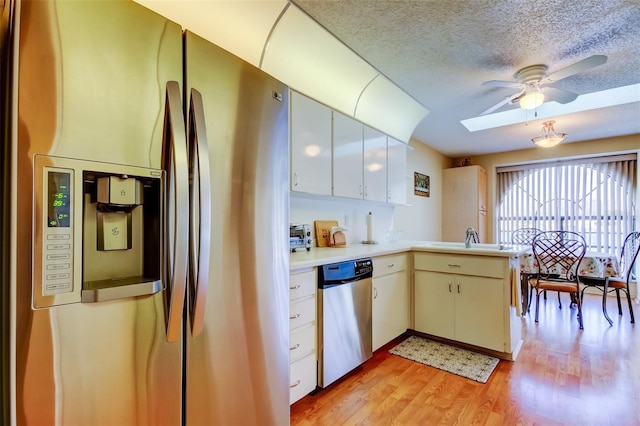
x=580 y=66
x=559 y=95
x=501 y=83
x=500 y=104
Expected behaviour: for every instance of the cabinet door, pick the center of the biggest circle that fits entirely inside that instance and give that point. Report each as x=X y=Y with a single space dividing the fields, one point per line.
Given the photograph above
x=390 y=307
x=347 y=157
x=479 y=309
x=460 y=200
x=310 y=145
x=397 y=171
x=434 y=304
x=375 y=165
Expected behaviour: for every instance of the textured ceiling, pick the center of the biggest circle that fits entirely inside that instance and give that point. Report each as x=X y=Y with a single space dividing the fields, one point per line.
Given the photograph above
x=440 y=52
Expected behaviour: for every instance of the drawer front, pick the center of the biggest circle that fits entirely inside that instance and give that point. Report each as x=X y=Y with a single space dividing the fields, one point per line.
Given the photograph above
x=303 y=284
x=302 y=312
x=303 y=377
x=384 y=265
x=303 y=341
x=483 y=266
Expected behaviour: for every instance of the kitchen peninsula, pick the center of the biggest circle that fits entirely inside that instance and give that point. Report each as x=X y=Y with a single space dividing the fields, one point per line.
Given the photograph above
x=467 y=296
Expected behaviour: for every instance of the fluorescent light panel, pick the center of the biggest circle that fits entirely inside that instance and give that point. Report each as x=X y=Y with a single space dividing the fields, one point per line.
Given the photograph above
x=302 y=54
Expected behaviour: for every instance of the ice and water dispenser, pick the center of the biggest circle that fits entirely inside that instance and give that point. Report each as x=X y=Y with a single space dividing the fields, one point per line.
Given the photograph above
x=98 y=231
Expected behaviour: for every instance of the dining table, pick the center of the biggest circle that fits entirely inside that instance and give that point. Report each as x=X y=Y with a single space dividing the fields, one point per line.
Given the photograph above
x=593 y=264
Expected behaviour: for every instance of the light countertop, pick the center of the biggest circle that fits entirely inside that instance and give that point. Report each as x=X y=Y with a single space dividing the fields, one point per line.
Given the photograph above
x=324 y=255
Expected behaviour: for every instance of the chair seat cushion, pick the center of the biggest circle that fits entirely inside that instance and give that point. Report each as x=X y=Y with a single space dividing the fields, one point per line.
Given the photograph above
x=554 y=285
x=614 y=282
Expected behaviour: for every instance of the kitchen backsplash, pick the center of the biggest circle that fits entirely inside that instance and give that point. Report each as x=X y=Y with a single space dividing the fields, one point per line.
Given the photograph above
x=350 y=214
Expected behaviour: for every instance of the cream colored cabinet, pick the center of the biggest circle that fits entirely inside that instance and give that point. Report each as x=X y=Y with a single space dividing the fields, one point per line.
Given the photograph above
x=464 y=202
x=466 y=298
x=460 y=307
x=396 y=171
x=347 y=157
x=303 y=337
x=375 y=165
x=391 y=298
x=310 y=145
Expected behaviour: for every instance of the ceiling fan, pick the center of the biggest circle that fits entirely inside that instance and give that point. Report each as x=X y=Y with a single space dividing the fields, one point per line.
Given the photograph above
x=532 y=79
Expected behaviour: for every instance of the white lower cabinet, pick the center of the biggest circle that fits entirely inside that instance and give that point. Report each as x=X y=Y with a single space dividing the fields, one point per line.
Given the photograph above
x=466 y=298
x=459 y=307
x=391 y=298
x=303 y=337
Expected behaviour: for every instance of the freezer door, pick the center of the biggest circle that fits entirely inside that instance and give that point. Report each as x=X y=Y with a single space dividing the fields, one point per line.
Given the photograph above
x=238 y=364
x=91 y=85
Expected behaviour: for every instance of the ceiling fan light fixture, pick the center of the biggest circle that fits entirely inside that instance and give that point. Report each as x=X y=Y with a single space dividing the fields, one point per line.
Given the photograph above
x=548 y=137
x=531 y=99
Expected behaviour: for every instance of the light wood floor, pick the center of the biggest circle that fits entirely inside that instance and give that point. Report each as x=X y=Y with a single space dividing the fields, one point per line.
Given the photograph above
x=563 y=376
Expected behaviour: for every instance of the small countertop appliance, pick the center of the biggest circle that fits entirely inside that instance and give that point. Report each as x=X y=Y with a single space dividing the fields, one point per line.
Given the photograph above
x=299 y=236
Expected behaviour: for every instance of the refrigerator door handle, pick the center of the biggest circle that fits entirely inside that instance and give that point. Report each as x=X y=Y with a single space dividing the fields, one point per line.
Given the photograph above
x=201 y=213
x=177 y=223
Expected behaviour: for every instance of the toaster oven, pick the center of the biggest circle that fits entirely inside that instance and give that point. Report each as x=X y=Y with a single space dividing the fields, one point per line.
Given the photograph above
x=299 y=237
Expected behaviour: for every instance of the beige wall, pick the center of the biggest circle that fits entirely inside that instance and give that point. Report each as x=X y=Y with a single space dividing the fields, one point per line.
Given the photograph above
x=422 y=218
x=575 y=149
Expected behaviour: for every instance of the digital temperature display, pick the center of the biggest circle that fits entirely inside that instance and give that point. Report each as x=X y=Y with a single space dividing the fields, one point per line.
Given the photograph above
x=59 y=207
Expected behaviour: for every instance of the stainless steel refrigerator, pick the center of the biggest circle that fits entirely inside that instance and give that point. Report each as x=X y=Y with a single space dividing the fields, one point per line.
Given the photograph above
x=148 y=213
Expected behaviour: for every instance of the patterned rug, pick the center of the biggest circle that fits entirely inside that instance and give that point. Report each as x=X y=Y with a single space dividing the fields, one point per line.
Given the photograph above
x=465 y=363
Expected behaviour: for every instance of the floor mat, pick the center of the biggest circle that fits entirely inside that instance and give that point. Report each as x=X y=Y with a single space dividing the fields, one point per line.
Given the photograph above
x=465 y=363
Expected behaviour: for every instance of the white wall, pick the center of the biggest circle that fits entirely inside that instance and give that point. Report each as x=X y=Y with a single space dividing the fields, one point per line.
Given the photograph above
x=350 y=214
x=421 y=219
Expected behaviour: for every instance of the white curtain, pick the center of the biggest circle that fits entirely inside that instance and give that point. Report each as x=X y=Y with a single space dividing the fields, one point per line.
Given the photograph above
x=594 y=197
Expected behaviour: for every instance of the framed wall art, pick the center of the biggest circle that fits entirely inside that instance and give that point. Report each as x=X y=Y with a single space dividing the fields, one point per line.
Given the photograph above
x=421 y=184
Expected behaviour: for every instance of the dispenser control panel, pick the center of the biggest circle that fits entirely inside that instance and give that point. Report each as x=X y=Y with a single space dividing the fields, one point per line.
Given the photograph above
x=57 y=235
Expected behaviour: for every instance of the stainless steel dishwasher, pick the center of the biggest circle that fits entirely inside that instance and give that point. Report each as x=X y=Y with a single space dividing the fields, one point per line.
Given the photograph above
x=344 y=337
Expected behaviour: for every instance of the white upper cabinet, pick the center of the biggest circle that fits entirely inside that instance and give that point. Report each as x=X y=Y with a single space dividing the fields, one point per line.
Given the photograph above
x=334 y=154
x=310 y=145
x=397 y=171
x=375 y=165
x=347 y=157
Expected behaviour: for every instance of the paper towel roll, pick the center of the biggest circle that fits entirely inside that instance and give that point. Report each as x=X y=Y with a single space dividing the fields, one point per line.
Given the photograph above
x=370 y=227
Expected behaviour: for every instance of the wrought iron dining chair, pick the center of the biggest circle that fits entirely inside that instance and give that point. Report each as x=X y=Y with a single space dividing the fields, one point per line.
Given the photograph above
x=628 y=258
x=524 y=237
x=558 y=254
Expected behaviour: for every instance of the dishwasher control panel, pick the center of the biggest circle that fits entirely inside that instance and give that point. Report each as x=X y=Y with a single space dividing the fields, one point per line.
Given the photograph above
x=344 y=272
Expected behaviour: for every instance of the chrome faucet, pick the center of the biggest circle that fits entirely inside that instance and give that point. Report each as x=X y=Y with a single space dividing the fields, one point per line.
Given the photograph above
x=472 y=237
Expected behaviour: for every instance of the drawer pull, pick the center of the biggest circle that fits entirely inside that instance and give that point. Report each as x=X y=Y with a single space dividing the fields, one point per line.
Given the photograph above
x=295 y=384
x=295 y=287
x=449 y=286
x=391 y=265
x=296 y=316
x=453 y=265
x=293 y=348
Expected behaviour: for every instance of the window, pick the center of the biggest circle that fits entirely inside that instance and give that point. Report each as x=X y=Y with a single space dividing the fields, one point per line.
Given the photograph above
x=594 y=197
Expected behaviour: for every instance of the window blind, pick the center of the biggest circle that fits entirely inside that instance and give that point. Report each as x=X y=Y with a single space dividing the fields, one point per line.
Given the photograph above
x=594 y=197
